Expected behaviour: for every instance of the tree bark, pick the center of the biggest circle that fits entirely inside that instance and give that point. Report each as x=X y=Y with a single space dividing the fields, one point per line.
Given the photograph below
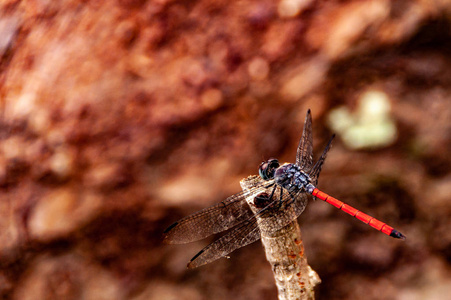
x=295 y=279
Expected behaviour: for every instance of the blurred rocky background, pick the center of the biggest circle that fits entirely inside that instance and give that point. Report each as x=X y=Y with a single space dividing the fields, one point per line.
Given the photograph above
x=119 y=117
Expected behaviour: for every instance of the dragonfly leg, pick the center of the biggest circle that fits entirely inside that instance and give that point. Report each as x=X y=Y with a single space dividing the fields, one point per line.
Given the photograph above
x=280 y=198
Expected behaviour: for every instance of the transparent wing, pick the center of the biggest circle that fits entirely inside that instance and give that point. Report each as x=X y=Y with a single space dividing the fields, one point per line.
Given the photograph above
x=214 y=219
x=281 y=213
x=268 y=220
x=245 y=234
x=282 y=208
x=314 y=174
x=304 y=156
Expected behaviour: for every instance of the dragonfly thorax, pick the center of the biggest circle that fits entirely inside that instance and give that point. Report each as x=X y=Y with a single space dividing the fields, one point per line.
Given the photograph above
x=290 y=177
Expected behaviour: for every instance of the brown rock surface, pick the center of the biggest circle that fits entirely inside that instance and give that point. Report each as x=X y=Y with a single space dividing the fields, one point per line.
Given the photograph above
x=119 y=117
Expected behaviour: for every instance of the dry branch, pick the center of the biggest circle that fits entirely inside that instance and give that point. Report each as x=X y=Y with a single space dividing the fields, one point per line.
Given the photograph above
x=295 y=279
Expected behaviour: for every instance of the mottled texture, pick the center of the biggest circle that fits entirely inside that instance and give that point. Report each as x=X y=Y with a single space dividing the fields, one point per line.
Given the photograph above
x=284 y=249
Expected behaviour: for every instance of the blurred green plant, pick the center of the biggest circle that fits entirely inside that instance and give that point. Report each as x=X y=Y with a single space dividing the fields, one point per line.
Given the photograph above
x=370 y=126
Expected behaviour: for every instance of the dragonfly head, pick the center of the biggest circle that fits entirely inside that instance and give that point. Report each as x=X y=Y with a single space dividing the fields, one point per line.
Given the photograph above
x=267 y=169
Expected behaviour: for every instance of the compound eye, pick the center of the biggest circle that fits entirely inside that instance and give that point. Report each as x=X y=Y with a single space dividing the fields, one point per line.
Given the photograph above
x=273 y=163
x=267 y=169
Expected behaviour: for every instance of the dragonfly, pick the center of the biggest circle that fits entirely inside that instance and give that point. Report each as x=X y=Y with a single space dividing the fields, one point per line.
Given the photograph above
x=280 y=192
